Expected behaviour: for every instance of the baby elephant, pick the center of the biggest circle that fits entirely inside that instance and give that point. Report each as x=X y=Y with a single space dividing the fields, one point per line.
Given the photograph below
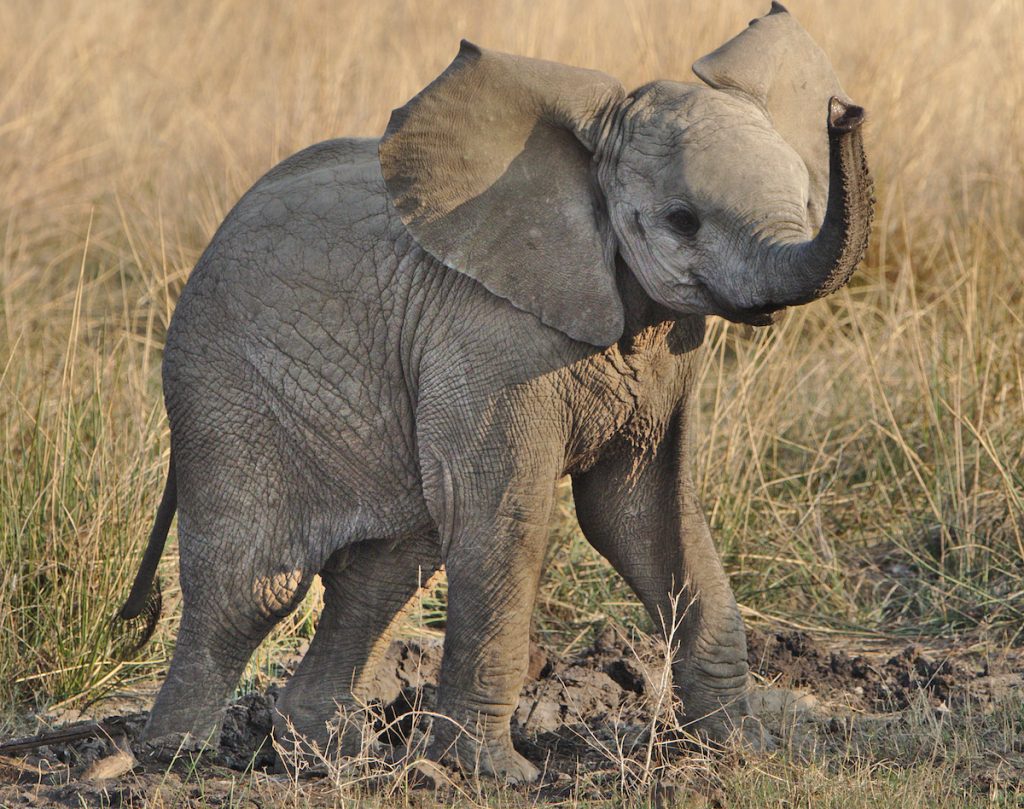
x=392 y=349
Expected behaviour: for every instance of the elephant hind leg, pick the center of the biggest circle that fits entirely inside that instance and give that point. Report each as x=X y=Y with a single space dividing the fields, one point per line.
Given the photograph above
x=232 y=598
x=366 y=586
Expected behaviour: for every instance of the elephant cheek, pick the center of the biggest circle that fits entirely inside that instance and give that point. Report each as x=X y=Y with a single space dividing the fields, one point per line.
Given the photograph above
x=652 y=271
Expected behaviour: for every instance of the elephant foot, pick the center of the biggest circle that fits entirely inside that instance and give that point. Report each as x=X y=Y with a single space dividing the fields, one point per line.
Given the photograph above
x=496 y=759
x=170 y=747
x=306 y=739
x=744 y=733
x=752 y=737
x=490 y=754
x=734 y=728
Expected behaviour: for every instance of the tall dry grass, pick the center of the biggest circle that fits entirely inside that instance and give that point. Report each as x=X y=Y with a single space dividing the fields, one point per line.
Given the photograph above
x=861 y=463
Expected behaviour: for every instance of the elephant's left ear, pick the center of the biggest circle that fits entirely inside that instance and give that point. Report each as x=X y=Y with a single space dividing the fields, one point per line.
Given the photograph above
x=777 y=64
x=490 y=169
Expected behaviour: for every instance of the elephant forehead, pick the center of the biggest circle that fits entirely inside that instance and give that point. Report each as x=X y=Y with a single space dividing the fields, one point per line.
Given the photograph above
x=720 y=162
x=708 y=146
x=672 y=114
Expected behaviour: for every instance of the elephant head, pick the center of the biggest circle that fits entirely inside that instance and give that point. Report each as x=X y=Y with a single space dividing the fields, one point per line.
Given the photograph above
x=737 y=197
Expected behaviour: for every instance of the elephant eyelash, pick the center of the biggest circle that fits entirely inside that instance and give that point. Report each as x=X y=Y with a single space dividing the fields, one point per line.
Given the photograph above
x=683 y=221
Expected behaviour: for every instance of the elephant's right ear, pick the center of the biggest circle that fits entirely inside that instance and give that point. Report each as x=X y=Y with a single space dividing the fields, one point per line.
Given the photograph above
x=489 y=168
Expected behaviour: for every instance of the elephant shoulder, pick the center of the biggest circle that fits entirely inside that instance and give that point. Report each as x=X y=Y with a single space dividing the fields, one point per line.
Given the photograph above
x=323 y=204
x=340 y=158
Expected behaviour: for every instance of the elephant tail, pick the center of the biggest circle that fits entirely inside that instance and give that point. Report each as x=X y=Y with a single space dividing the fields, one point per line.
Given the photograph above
x=145 y=598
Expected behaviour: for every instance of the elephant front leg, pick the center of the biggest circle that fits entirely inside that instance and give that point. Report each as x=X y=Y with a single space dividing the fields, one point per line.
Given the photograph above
x=709 y=663
x=649 y=525
x=494 y=565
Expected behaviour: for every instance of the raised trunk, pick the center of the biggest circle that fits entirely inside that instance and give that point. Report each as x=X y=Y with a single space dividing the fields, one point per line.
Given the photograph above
x=794 y=274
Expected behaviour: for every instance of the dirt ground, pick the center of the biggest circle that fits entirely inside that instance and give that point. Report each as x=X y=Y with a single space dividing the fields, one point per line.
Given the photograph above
x=594 y=721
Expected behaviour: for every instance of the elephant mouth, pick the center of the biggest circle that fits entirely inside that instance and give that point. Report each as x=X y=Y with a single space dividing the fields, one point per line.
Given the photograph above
x=756 y=317
x=764 y=315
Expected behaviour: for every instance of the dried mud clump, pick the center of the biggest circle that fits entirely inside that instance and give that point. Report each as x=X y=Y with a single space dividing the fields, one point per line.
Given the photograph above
x=245 y=736
x=793 y=659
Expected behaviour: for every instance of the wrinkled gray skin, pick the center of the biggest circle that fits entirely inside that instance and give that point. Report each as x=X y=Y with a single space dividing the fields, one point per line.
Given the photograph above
x=384 y=361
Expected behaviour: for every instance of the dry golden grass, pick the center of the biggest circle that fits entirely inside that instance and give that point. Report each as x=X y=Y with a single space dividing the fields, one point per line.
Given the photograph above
x=861 y=463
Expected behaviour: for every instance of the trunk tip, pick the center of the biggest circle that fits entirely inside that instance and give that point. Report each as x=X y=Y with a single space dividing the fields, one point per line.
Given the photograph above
x=844 y=117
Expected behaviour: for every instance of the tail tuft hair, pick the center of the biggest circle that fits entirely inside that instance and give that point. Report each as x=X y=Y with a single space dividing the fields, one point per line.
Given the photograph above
x=134 y=632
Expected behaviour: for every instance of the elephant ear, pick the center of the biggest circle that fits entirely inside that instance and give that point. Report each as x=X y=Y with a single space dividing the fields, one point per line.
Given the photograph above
x=775 y=63
x=489 y=169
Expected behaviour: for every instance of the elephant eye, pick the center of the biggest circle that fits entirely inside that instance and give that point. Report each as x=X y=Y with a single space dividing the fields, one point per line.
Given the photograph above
x=683 y=221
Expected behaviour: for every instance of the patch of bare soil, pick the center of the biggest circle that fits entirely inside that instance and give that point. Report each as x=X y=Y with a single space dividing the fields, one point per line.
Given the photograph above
x=593 y=721
x=870 y=683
